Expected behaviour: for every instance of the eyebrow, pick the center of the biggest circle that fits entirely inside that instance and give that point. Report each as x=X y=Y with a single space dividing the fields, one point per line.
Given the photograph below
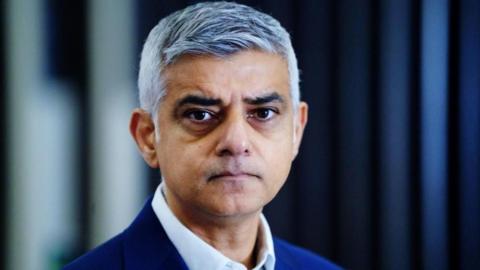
x=206 y=101
x=199 y=100
x=264 y=99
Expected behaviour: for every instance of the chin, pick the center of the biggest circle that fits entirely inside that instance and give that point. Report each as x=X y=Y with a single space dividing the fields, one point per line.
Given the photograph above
x=233 y=207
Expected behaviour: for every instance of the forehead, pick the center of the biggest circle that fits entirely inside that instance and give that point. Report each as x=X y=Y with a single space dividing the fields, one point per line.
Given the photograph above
x=246 y=74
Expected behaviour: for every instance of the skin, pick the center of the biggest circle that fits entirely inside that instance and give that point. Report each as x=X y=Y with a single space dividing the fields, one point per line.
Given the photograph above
x=225 y=137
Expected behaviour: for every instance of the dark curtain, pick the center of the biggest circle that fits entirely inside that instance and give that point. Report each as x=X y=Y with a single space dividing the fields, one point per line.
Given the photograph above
x=3 y=137
x=388 y=176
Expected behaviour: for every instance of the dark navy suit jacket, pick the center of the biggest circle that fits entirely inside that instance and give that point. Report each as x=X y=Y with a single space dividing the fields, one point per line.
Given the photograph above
x=144 y=245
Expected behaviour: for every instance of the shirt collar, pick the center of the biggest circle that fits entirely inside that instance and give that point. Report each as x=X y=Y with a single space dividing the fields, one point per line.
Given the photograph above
x=195 y=251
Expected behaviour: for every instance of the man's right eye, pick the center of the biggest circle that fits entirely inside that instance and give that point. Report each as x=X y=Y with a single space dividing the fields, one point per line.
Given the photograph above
x=199 y=115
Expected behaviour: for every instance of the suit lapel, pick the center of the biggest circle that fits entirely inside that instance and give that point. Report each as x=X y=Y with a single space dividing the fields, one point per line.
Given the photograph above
x=146 y=245
x=283 y=260
x=281 y=264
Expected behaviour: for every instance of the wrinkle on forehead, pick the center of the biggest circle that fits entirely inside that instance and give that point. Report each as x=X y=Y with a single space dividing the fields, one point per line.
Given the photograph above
x=245 y=75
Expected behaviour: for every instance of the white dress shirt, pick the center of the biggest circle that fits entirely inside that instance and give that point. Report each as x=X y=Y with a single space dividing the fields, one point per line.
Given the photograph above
x=198 y=254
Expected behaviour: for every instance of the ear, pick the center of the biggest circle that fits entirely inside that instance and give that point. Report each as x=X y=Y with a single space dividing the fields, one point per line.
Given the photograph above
x=301 y=118
x=142 y=129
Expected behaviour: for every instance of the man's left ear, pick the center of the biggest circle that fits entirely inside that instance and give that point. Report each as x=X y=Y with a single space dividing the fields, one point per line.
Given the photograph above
x=301 y=118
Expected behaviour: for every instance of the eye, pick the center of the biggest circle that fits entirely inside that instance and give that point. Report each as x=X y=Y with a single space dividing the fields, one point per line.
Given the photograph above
x=199 y=115
x=263 y=114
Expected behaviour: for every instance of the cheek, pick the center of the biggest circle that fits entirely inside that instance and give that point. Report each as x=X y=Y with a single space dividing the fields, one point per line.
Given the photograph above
x=281 y=161
x=180 y=160
x=279 y=157
x=281 y=144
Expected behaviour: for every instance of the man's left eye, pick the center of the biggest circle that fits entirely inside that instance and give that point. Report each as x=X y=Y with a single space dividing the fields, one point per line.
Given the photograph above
x=263 y=114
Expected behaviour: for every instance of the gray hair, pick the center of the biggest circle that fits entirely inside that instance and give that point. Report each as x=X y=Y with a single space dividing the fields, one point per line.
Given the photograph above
x=211 y=28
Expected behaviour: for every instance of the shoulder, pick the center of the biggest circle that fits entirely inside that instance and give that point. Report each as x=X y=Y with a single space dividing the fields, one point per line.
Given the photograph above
x=106 y=256
x=299 y=258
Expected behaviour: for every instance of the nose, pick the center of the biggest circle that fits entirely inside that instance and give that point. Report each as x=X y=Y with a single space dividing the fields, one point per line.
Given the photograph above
x=234 y=138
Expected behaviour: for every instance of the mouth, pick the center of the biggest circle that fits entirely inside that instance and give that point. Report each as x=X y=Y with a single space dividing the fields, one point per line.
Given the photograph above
x=233 y=176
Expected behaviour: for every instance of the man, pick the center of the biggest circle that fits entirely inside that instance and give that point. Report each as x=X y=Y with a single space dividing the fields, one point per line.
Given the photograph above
x=221 y=118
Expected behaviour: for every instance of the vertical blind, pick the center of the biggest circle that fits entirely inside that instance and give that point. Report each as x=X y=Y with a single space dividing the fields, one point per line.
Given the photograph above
x=388 y=173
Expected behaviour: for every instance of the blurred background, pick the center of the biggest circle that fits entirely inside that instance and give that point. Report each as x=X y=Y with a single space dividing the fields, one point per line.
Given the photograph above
x=388 y=176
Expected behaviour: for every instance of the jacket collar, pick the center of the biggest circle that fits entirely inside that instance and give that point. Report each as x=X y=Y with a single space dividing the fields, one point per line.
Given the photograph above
x=147 y=247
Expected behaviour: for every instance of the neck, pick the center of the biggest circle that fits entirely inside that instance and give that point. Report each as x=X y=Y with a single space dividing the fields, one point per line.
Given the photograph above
x=237 y=242
x=235 y=237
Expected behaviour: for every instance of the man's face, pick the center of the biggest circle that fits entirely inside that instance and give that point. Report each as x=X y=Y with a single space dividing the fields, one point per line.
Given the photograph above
x=227 y=132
